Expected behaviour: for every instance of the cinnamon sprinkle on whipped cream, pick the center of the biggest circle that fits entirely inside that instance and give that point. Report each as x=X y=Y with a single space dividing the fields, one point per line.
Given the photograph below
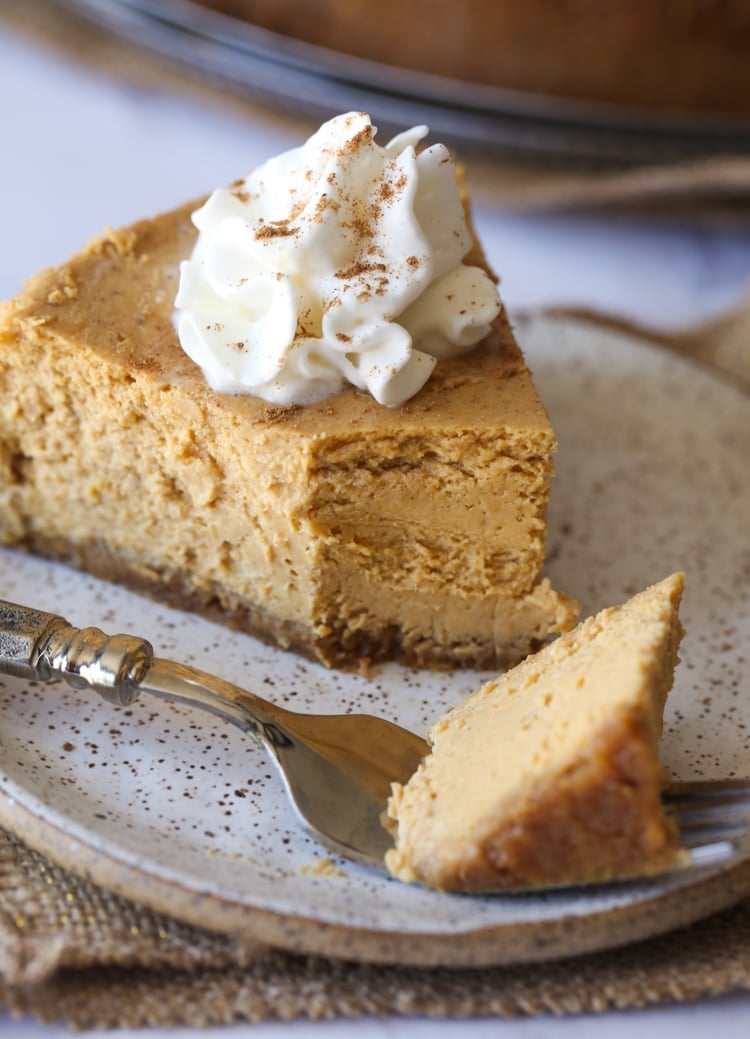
x=337 y=262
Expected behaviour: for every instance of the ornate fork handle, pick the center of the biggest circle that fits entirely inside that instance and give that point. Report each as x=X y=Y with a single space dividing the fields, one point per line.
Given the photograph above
x=43 y=646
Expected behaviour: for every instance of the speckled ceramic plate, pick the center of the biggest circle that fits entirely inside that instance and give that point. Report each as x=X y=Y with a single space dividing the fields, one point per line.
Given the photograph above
x=175 y=811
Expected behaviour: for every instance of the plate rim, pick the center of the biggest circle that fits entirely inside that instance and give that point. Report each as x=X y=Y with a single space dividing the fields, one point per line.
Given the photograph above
x=257 y=927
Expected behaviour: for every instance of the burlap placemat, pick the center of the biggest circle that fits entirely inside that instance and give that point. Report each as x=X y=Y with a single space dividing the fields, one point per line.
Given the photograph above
x=715 y=188
x=72 y=952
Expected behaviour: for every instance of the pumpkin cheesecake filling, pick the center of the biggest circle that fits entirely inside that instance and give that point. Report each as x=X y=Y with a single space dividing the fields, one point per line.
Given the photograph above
x=345 y=529
x=550 y=774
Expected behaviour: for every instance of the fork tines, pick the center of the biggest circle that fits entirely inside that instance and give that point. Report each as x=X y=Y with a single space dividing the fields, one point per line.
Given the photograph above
x=712 y=815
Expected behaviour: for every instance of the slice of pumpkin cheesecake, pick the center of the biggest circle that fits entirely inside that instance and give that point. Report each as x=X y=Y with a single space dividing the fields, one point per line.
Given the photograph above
x=550 y=775
x=297 y=408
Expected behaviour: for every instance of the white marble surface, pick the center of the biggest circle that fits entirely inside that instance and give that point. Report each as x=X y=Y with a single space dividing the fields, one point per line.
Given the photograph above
x=83 y=151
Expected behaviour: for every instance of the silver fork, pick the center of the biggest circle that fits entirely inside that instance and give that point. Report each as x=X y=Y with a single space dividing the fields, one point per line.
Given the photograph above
x=337 y=769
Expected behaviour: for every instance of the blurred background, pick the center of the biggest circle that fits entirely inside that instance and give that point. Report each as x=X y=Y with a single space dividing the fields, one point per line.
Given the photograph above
x=607 y=147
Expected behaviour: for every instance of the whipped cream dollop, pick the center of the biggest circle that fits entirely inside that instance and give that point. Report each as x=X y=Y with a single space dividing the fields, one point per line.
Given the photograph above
x=339 y=261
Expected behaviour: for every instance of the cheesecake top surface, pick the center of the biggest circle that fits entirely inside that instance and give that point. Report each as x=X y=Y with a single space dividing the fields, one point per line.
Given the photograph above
x=115 y=299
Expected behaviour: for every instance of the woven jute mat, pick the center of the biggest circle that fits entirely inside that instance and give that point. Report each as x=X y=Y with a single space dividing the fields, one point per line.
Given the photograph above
x=71 y=951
